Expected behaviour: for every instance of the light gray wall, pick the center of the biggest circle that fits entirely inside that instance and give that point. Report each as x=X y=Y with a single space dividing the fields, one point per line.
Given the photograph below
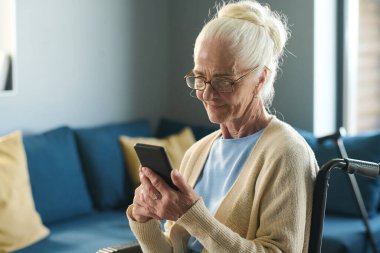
x=294 y=88
x=91 y=62
x=86 y=63
x=186 y=20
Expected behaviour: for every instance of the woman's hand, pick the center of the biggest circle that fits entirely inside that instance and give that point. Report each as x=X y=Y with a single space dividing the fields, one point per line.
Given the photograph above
x=141 y=212
x=158 y=200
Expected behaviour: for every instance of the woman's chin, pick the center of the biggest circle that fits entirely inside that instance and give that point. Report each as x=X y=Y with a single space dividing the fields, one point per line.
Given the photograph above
x=214 y=118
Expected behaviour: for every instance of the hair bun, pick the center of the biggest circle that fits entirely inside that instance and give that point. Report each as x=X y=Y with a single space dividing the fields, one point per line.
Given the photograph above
x=260 y=15
x=244 y=11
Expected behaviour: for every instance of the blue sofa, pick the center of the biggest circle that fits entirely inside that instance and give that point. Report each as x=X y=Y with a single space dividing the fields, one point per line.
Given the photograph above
x=81 y=188
x=80 y=184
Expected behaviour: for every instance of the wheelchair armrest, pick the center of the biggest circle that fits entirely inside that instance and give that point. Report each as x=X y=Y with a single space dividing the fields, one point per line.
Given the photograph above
x=124 y=248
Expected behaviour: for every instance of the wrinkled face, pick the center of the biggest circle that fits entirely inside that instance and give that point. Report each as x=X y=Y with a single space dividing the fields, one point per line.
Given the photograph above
x=214 y=59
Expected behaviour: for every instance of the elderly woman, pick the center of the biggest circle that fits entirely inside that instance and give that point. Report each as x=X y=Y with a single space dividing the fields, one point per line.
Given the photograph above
x=248 y=186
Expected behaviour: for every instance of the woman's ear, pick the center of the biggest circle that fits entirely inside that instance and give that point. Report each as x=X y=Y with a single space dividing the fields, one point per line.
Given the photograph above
x=263 y=77
x=261 y=81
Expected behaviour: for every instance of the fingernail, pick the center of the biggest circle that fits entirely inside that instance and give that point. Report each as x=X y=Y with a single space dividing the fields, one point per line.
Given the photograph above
x=176 y=173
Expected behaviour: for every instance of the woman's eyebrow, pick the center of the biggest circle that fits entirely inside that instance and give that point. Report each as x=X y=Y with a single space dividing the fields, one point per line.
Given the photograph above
x=217 y=74
x=198 y=72
x=221 y=74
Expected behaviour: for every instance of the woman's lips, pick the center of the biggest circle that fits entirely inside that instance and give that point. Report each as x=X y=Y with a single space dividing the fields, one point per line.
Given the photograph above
x=214 y=106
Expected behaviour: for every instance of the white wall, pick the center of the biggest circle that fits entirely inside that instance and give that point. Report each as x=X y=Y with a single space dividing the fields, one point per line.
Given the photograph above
x=325 y=59
x=7 y=26
x=7 y=42
x=85 y=63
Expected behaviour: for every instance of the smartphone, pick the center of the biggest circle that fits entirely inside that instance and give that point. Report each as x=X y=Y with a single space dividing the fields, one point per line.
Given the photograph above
x=155 y=158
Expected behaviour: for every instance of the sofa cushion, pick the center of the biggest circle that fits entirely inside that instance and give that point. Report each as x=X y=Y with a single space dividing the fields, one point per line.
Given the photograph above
x=167 y=127
x=103 y=162
x=56 y=176
x=20 y=224
x=86 y=234
x=348 y=235
x=341 y=198
x=175 y=146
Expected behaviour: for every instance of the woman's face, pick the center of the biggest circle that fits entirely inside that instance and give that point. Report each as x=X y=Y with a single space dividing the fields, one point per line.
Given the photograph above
x=214 y=59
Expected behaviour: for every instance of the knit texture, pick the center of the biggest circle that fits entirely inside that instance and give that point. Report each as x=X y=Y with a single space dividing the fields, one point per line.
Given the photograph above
x=268 y=208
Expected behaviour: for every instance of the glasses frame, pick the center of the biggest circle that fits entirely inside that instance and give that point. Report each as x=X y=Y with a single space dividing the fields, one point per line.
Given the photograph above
x=233 y=82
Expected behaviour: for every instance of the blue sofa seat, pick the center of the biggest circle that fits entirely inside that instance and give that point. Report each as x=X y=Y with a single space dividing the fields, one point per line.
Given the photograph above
x=85 y=234
x=347 y=234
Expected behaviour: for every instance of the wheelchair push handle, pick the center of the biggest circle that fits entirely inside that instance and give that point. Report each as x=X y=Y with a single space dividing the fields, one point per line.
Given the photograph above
x=363 y=168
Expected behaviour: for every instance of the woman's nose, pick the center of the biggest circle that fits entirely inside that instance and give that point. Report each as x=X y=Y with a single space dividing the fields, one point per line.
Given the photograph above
x=208 y=92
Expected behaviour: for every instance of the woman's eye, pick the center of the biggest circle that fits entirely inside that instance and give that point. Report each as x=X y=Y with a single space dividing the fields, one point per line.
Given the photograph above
x=198 y=82
x=221 y=82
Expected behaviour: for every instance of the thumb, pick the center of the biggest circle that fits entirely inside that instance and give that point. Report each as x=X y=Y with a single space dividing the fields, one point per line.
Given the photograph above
x=179 y=181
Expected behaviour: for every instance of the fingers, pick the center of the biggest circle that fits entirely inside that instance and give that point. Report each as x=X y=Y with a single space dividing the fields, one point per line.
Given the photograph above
x=156 y=181
x=143 y=207
x=139 y=199
x=179 y=181
x=142 y=214
x=189 y=196
x=149 y=190
x=147 y=196
x=156 y=199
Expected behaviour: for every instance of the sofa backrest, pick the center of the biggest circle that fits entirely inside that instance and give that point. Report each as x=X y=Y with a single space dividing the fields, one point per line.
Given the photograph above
x=168 y=126
x=341 y=198
x=56 y=177
x=103 y=162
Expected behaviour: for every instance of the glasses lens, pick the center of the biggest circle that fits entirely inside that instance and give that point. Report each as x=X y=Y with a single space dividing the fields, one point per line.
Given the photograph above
x=195 y=83
x=190 y=81
x=222 y=85
x=219 y=84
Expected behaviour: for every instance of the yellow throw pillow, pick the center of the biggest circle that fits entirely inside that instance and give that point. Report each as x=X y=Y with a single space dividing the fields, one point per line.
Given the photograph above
x=20 y=224
x=175 y=145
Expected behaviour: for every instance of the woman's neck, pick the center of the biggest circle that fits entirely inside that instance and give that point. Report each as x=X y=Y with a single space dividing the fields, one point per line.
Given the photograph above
x=246 y=125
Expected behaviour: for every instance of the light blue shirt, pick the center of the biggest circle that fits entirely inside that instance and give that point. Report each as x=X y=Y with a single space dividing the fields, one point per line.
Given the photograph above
x=223 y=165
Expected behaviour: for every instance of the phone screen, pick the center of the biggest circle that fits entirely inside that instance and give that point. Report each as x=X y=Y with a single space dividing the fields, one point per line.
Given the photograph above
x=155 y=158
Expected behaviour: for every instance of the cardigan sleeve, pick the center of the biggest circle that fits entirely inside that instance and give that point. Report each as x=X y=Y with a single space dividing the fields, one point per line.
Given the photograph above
x=149 y=234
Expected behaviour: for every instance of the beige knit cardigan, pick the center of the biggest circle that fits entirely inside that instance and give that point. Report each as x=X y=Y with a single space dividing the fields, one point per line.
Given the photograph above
x=268 y=208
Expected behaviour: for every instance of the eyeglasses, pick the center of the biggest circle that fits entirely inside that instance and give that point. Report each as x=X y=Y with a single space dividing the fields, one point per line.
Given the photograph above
x=219 y=84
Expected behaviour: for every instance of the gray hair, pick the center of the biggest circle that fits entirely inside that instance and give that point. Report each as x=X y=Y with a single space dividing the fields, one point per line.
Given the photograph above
x=255 y=33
